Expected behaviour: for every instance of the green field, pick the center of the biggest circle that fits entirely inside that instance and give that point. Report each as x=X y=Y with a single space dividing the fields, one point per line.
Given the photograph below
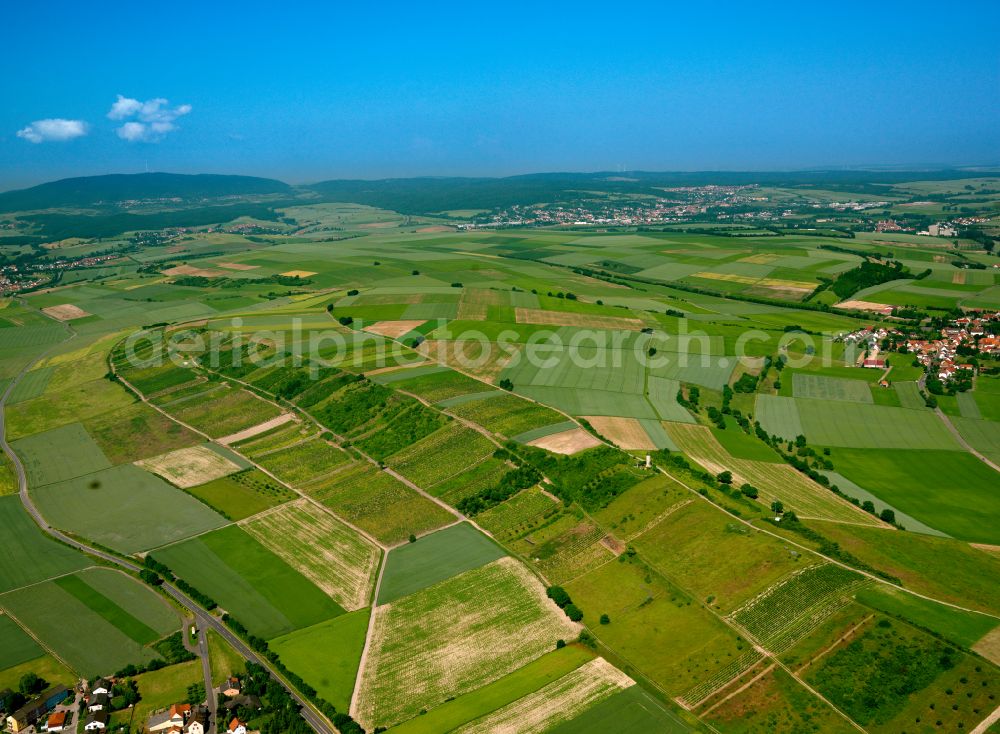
x=806 y=385
x=707 y=554
x=114 y=507
x=253 y=584
x=60 y=454
x=631 y=710
x=657 y=628
x=442 y=455
x=774 y=481
x=379 y=503
x=898 y=661
x=946 y=569
x=59 y=407
x=777 y=703
x=138 y=432
x=16 y=645
x=936 y=487
x=224 y=412
x=435 y=558
x=243 y=494
x=304 y=461
x=327 y=655
x=854 y=425
x=119 y=614
x=962 y=628
x=30 y=556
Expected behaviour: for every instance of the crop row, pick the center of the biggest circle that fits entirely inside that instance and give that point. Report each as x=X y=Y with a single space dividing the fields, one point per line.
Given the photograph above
x=796 y=603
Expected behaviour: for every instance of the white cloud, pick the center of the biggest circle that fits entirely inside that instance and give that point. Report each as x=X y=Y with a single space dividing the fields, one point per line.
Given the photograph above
x=147 y=121
x=53 y=130
x=124 y=107
x=132 y=131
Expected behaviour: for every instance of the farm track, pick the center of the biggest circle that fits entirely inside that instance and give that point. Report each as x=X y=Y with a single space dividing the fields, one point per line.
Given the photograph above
x=697 y=495
x=837 y=642
x=958 y=436
x=204 y=619
x=739 y=690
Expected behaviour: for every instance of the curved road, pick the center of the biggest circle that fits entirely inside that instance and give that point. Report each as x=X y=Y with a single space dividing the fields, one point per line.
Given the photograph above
x=203 y=619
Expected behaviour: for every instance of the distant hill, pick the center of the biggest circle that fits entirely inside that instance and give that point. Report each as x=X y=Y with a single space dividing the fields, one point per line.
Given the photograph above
x=89 y=191
x=427 y=195
x=432 y=194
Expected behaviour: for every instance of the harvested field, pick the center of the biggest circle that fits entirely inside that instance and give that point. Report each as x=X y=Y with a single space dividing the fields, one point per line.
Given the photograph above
x=555 y=703
x=264 y=427
x=484 y=361
x=989 y=646
x=190 y=467
x=441 y=642
x=565 y=318
x=191 y=270
x=865 y=306
x=793 y=286
x=324 y=550
x=394 y=329
x=566 y=442
x=237 y=266
x=65 y=312
x=775 y=481
x=627 y=433
x=298 y=273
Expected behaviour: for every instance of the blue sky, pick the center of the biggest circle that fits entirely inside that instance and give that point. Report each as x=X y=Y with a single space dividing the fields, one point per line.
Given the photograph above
x=308 y=91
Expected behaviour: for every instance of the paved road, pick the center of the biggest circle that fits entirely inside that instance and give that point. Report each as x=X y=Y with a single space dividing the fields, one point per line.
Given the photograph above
x=203 y=619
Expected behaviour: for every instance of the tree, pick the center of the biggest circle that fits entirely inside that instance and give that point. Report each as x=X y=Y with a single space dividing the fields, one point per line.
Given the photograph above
x=506 y=384
x=888 y=516
x=416 y=272
x=413 y=538
x=868 y=506
x=777 y=507
x=573 y=612
x=725 y=477
x=558 y=595
x=329 y=308
x=30 y=684
x=605 y=619
x=750 y=491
